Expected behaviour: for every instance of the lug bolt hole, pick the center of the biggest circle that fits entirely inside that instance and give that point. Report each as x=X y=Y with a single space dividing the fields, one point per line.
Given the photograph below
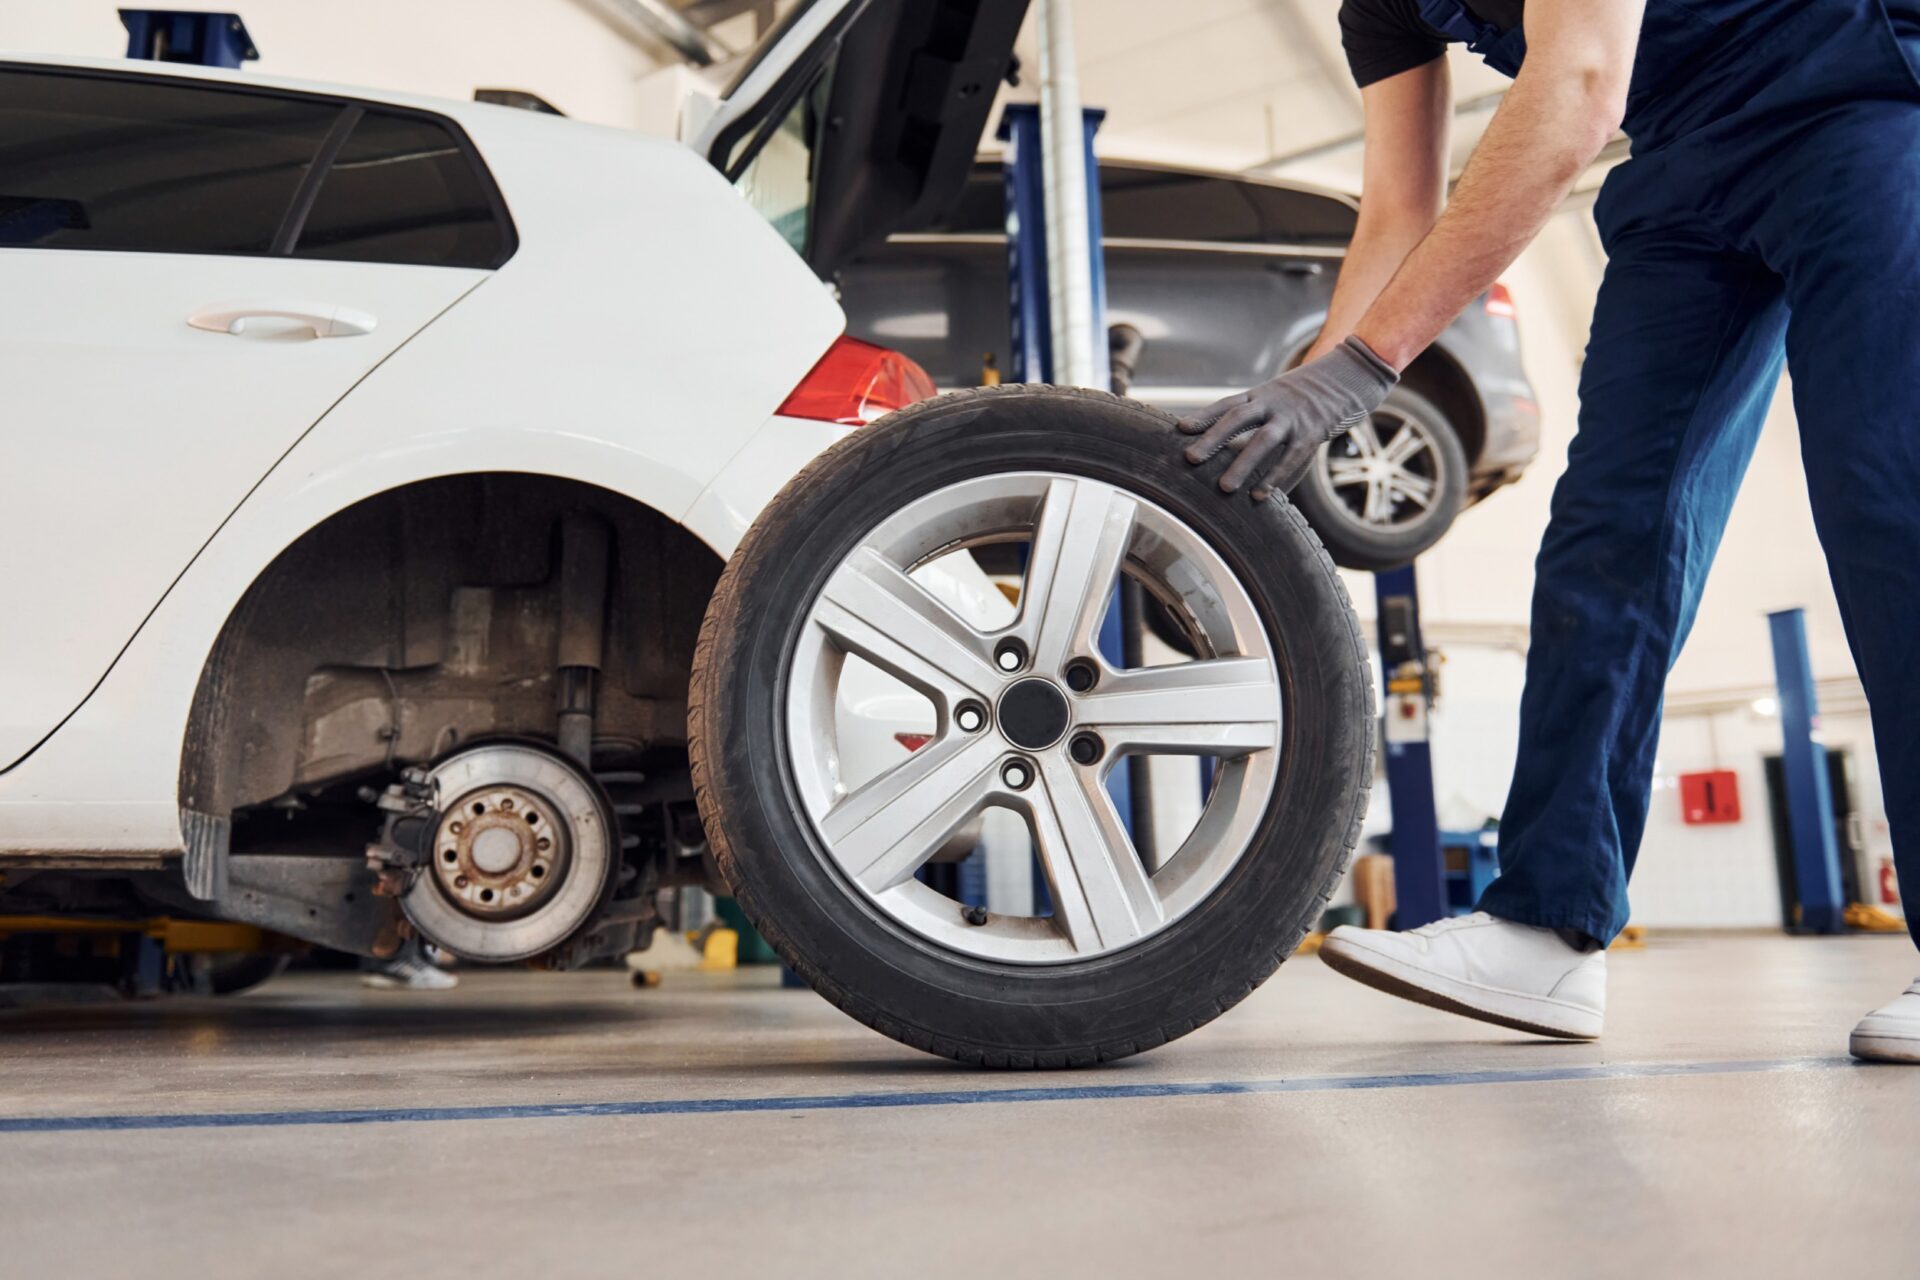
x=1086 y=748
x=1082 y=675
x=478 y=808
x=450 y=856
x=970 y=716
x=532 y=817
x=1017 y=774
x=486 y=895
x=1010 y=655
x=538 y=871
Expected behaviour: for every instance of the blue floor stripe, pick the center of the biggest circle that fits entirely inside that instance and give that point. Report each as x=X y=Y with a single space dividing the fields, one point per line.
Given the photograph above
x=865 y=1101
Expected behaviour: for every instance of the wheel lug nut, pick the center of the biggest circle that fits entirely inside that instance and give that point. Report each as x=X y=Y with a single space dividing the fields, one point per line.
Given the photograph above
x=460 y=882
x=1010 y=655
x=1086 y=748
x=1017 y=774
x=974 y=915
x=1082 y=675
x=970 y=716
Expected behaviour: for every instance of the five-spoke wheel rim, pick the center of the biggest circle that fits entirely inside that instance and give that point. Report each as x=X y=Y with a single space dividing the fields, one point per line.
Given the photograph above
x=1031 y=718
x=1387 y=472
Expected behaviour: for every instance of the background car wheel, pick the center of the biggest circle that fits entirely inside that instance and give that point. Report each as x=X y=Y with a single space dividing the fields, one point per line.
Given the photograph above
x=1390 y=488
x=1138 y=948
x=229 y=974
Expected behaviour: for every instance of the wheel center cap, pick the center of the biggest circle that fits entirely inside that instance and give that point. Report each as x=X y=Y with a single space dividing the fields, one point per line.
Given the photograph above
x=1033 y=713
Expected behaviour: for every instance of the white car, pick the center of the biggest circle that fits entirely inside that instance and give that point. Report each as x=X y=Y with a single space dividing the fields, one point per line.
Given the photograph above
x=371 y=463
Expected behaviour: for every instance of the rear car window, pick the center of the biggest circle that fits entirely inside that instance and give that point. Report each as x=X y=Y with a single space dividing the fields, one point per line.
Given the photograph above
x=403 y=190
x=109 y=163
x=1144 y=203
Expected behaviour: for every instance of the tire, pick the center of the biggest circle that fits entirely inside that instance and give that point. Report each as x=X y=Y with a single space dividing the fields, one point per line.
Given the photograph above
x=1357 y=543
x=229 y=974
x=864 y=960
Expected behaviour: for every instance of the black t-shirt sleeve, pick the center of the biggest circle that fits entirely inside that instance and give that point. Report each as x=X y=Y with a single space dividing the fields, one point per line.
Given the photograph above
x=1385 y=37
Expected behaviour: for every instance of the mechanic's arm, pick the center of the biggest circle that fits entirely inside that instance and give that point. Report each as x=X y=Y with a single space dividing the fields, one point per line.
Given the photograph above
x=1403 y=186
x=1566 y=102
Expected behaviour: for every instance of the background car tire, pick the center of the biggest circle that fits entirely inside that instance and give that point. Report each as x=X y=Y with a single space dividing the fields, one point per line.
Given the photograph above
x=1355 y=544
x=230 y=973
x=900 y=983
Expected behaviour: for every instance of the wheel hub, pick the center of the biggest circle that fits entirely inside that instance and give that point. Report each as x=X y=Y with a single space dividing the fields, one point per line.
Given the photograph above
x=495 y=855
x=522 y=854
x=1034 y=714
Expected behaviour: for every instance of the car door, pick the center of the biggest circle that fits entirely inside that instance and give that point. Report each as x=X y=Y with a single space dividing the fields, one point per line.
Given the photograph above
x=191 y=273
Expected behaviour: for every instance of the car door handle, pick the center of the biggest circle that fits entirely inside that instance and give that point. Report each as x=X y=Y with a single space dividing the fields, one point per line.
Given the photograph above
x=325 y=319
x=1301 y=268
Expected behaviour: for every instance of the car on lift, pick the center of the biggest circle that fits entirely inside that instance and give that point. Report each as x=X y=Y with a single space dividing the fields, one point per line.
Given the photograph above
x=374 y=467
x=1216 y=282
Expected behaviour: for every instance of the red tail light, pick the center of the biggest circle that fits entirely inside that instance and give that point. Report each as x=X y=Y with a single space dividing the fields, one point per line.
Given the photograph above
x=1500 y=303
x=856 y=382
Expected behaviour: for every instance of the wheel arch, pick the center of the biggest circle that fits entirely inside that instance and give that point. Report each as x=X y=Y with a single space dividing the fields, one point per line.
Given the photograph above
x=374 y=589
x=1439 y=376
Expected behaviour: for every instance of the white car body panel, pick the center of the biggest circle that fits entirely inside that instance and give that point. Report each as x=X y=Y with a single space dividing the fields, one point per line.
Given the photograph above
x=648 y=327
x=132 y=435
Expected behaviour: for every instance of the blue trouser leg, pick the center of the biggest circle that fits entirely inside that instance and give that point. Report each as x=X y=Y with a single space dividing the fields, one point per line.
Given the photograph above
x=1843 y=225
x=1684 y=356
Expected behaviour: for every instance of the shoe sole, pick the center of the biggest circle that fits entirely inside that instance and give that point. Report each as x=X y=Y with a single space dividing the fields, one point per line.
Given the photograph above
x=1871 y=1048
x=1385 y=974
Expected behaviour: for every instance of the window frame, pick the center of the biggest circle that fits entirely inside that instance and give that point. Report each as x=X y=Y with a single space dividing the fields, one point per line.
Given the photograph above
x=348 y=112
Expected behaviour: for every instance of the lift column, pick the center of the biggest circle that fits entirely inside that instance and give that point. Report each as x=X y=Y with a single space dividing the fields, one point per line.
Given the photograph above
x=1419 y=875
x=1816 y=855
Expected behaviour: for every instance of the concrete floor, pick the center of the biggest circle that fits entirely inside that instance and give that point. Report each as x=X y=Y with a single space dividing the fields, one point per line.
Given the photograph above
x=1718 y=1130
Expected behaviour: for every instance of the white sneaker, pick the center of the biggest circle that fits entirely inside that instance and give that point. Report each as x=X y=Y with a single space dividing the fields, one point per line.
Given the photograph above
x=409 y=973
x=1487 y=968
x=1891 y=1033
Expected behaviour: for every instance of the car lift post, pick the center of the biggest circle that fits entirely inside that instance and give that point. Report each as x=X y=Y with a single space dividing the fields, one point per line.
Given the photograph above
x=1419 y=874
x=189 y=36
x=1816 y=855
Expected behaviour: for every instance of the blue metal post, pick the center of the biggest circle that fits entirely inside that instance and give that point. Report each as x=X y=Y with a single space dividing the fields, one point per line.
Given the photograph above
x=1419 y=873
x=190 y=36
x=1816 y=854
x=1032 y=355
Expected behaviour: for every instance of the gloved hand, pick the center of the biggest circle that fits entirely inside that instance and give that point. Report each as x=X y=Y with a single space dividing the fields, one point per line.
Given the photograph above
x=1279 y=424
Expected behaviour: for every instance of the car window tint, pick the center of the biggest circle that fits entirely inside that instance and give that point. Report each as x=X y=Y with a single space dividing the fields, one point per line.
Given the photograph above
x=142 y=165
x=1158 y=204
x=403 y=190
x=1301 y=217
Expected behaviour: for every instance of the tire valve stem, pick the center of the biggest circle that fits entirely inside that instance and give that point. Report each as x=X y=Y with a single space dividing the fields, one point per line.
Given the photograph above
x=974 y=915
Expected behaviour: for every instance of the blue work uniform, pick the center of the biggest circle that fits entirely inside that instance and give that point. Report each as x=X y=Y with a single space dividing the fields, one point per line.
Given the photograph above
x=1770 y=212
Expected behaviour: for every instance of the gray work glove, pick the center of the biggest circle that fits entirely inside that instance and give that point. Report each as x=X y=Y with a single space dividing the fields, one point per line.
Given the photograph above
x=1279 y=424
